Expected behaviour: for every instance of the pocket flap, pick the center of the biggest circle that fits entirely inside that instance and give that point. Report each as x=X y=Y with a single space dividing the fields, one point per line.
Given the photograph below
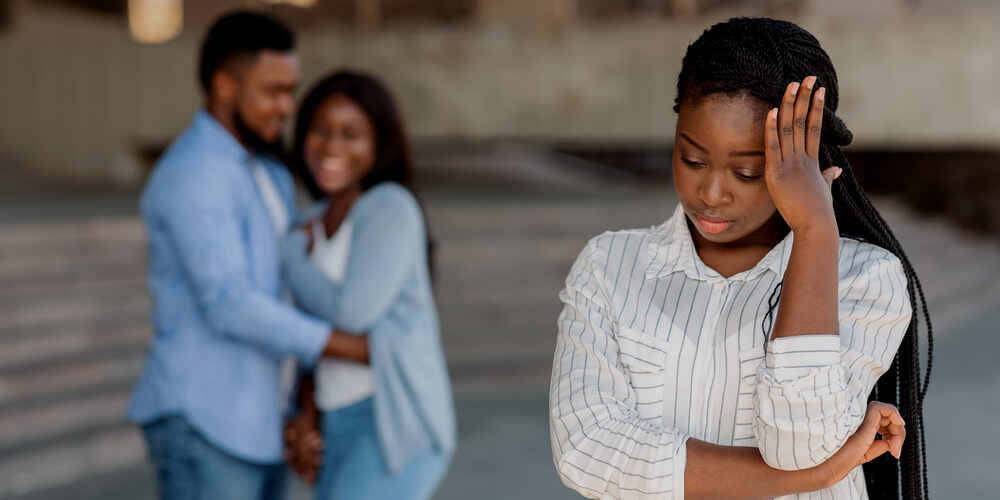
x=641 y=352
x=750 y=360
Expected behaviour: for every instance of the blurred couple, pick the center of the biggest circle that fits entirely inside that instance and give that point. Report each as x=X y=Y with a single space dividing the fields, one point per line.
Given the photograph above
x=283 y=337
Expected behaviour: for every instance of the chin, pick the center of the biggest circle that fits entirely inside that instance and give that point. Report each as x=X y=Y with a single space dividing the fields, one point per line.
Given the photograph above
x=331 y=189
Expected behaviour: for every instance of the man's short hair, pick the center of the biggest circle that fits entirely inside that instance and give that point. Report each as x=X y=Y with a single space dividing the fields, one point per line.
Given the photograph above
x=237 y=34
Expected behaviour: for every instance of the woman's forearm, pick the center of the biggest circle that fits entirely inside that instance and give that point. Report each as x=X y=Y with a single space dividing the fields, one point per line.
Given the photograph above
x=739 y=473
x=809 y=294
x=347 y=346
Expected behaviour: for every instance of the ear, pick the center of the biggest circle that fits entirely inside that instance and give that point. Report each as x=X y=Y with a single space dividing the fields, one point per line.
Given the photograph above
x=224 y=87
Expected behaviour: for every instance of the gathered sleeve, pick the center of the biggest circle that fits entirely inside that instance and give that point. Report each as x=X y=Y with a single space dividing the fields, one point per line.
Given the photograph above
x=812 y=390
x=600 y=446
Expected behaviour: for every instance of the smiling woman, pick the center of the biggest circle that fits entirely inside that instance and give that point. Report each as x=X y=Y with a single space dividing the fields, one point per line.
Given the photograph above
x=384 y=411
x=671 y=380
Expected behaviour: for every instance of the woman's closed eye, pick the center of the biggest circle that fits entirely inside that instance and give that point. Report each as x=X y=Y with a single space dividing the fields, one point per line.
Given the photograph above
x=747 y=176
x=692 y=163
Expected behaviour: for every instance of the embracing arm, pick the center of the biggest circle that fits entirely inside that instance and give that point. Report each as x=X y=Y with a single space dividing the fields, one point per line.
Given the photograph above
x=200 y=219
x=388 y=229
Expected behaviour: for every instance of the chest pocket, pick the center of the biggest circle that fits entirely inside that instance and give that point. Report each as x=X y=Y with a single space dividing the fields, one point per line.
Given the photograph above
x=644 y=357
x=750 y=361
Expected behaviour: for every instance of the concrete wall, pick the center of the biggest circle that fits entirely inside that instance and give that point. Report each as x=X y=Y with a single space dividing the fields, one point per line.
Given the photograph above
x=79 y=99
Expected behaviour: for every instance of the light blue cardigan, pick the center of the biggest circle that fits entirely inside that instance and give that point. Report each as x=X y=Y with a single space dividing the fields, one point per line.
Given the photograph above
x=386 y=292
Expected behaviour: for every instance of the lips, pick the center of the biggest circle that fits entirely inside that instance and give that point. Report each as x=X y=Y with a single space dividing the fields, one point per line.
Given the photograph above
x=330 y=164
x=332 y=168
x=712 y=225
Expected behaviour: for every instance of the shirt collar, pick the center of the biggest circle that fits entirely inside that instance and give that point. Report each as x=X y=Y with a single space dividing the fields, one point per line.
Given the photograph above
x=211 y=131
x=671 y=249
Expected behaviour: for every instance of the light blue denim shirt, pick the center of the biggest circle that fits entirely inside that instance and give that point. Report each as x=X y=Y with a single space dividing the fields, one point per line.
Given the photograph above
x=386 y=292
x=220 y=328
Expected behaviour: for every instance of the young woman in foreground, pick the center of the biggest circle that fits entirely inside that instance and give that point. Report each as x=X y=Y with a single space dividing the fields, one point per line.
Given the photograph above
x=732 y=351
x=386 y=413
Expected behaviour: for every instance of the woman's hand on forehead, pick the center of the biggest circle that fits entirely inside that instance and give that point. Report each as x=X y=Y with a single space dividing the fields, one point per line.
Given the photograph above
x=792 y=139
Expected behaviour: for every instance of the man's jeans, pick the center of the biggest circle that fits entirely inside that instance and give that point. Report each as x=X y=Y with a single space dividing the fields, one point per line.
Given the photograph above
x=190 y=468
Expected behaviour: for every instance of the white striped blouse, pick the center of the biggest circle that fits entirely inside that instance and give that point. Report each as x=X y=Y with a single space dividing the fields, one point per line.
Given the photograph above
x=655 y=347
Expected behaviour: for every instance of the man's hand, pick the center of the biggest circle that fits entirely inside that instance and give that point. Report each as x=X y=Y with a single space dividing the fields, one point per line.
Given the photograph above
x=304 y=445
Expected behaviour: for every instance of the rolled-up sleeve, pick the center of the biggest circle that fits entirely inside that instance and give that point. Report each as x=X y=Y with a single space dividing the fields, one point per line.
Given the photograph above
x=600 y=446
x=812 y=390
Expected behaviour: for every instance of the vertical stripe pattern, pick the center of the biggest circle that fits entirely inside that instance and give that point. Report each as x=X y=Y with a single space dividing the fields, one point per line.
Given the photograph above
x=655 y=347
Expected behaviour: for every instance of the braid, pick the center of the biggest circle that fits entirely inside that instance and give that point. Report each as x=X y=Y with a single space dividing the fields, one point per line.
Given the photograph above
x=758 y=57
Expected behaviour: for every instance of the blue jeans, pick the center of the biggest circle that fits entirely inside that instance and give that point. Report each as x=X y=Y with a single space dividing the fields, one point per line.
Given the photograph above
x=354 y=469
x=190 y=468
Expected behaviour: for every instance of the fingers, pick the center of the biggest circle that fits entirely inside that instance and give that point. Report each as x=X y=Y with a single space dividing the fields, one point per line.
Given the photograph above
x=801 y=110
x=772 y=144
x=877 y=449
x=890 y=425
x=893 y=430
x=815 y=123
x=305 y=455
x=831 y=174
x=785 y=118
x=309 y=444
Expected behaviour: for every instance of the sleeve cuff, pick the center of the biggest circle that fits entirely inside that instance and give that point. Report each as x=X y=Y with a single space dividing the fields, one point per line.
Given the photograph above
x=680 y=465
x=316 y=335
x=794 y=357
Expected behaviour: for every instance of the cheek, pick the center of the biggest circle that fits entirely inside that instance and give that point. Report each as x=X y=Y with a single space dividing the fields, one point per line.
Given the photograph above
x=363 y=151
x=758 y=202
x=312 y=151
x=684 y=182
x=257 y=105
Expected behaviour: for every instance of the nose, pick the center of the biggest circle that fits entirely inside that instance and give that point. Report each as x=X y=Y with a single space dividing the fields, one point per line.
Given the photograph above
x=333 y=145
x=286 y=105
x=713 y=191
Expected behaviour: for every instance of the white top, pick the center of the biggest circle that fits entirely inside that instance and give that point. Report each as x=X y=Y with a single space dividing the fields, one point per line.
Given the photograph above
x=339 y=383
x=275 y=207
x=655 y=347
x=278 y=213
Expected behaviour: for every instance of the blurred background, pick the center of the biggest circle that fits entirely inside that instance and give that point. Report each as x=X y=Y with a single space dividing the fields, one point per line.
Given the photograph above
x=537 y=124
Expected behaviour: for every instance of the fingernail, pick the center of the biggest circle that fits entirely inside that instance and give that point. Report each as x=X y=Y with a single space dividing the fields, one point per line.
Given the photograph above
x=839 y=171
x=795 y=87
x=773 y=113
x=821 y=93
x=810 y=81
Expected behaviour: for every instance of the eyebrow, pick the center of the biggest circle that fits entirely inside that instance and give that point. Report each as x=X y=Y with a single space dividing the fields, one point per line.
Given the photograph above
x=691 y=141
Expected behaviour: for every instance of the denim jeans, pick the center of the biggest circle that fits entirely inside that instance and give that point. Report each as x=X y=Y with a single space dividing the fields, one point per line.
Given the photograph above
x=354 y=468
x=190 y=468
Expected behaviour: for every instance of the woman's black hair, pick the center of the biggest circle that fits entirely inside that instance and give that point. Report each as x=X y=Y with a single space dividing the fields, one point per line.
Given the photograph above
x=393 y=160
x=760 y=57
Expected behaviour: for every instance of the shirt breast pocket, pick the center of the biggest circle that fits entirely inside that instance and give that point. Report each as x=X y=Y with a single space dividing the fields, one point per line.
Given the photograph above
x=644 y=357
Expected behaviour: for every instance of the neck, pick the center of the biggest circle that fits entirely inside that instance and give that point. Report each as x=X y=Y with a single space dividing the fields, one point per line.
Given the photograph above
x=735 y=257
x=224 y=115
x=340 y=204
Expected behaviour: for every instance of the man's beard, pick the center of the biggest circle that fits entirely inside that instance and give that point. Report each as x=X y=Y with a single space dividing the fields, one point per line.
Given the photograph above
x=252 y=140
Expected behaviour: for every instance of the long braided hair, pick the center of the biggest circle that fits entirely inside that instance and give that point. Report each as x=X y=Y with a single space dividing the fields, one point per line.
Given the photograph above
x=759 y=57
